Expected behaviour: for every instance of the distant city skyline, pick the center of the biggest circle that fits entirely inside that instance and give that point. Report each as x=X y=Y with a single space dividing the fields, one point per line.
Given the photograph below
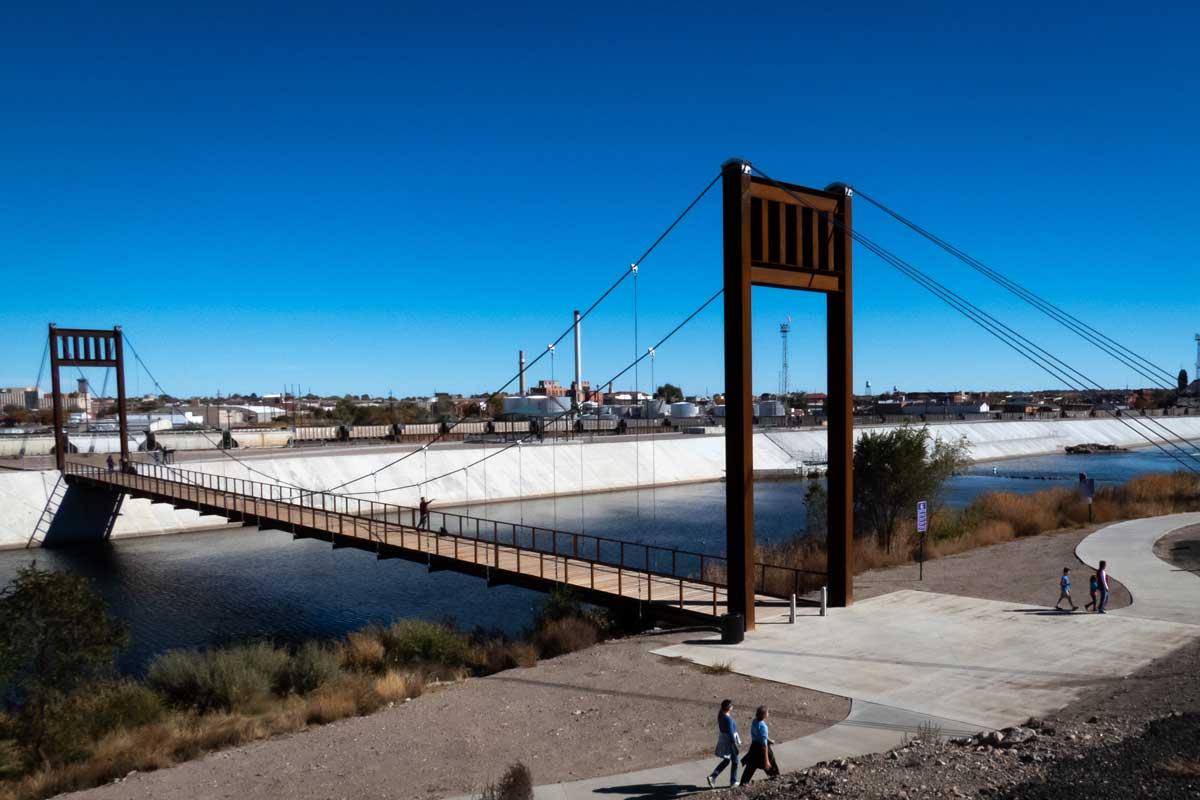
x=388 y=199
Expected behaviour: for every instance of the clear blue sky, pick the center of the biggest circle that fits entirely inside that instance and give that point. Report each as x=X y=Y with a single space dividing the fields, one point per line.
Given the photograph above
x=360 y=197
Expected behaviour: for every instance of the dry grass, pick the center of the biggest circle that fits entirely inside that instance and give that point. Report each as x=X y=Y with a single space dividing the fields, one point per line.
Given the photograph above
x=990 y=519
x=718 y=668
x=363 y=652
x=560 y=636
x=156 y=746
x=1181 y=767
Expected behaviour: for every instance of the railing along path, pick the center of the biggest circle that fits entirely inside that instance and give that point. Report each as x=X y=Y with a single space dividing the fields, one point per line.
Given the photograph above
x=684 y=579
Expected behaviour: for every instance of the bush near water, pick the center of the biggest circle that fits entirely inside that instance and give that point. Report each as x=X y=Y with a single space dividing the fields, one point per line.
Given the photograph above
x=91 y=728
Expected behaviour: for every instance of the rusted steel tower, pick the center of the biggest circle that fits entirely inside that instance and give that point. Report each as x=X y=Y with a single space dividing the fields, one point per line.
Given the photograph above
x=788 y=237
x=72 y=347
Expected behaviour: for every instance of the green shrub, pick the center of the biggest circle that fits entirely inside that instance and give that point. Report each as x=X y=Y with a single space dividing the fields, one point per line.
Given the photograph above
x=229 y=679
x=310 y=667
x=413 y=641
x=119 y=705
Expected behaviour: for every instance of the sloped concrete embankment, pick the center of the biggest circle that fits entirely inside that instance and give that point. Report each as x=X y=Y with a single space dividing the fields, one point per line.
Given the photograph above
x=536 y=470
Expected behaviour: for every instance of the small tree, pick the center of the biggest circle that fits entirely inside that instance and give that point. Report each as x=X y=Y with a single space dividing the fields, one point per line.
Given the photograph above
x=893 y=470
x=669 y=393
x=816 y=510
x=55 y=635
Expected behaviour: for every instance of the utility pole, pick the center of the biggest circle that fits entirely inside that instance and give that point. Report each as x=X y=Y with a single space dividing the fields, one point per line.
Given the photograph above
x=784 y=329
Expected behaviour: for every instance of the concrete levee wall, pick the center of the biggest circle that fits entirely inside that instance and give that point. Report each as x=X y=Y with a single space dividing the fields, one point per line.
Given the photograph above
x=541 y=469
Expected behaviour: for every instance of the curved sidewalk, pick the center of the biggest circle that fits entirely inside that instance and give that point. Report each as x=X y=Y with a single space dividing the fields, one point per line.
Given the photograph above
x=914 y=659
x=1160 y=591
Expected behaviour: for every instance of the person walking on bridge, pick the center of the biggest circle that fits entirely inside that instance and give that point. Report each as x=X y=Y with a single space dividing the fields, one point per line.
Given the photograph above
x=1102 y=577
x=112 y=465
x=424 y=509
x=728 y=742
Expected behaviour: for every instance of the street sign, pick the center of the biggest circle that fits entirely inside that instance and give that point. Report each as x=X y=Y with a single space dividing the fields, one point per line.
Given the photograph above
x=922 y=516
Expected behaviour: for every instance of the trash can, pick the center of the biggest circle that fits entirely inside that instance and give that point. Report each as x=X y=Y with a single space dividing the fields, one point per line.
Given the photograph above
x=733 y=629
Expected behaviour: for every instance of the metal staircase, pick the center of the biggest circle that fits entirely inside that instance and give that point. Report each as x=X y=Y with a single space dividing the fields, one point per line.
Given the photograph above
x=53 y=501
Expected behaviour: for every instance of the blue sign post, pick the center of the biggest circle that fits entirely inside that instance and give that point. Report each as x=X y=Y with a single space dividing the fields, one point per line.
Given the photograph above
x=922 y=527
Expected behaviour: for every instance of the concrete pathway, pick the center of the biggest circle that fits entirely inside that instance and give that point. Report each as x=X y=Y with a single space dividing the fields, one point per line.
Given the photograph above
x=1159 y=590
x=916 y=659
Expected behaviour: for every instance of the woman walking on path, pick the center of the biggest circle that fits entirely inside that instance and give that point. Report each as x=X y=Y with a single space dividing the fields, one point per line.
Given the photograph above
x=728 y=742
x=761 y=756
x=1102 y=578
x=1064 y=589
x=1093 y=590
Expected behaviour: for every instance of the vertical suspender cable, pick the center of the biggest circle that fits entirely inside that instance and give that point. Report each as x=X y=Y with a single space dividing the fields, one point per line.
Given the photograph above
x=637 y=435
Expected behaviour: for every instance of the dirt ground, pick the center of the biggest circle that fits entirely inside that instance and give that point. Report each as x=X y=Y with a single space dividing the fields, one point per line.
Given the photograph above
x=613 y=708
x=606 y=710
x=1021 y=571
x=1181 y=548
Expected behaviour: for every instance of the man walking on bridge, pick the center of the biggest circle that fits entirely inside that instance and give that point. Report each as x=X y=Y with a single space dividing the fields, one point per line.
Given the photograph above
x=424 y=509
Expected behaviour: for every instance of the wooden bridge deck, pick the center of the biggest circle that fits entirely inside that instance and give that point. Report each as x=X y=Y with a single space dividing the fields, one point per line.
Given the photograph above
x=380 y=528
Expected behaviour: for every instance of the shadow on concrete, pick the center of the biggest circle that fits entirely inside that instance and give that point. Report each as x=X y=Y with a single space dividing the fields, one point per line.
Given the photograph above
x=1047 y=612
x=652 y=791
x=85 y=516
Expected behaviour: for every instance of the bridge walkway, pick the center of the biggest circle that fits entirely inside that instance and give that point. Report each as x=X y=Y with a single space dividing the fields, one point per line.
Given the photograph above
x=605 y=570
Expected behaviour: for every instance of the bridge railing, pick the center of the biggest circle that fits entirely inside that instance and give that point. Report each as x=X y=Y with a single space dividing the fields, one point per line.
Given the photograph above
x=335 y=512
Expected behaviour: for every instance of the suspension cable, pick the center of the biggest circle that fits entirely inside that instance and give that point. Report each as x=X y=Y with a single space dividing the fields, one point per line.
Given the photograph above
x=696 y=312
x=1125 y=355
x=1011 y=338
x=595 y=303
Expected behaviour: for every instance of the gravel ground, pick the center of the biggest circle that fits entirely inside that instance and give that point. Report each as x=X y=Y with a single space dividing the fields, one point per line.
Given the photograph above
x=1020 y=571
x=1181 y=548
x=612 y=708
x=1136 y=738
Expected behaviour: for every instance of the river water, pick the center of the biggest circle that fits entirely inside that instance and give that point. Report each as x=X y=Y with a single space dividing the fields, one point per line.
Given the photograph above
x=201 y=589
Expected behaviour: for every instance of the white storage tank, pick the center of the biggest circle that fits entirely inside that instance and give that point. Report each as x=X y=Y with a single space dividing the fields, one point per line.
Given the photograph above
x=684 y=410
x=653 y=409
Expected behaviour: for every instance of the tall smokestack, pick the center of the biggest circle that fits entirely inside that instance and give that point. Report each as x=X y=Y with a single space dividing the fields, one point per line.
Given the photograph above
x=521 y=369
x=578 y=364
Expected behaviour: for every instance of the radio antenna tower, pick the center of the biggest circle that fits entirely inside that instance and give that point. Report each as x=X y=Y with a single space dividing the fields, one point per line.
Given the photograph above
x=784 y=329
x=1196 y=374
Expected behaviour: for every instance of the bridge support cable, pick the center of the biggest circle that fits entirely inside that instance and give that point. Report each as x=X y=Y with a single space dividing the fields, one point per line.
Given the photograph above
x=1143 y=366
x=567 y=332
x=554 y=418
x=662 y=236
x=1043 y=359
x=216 y=444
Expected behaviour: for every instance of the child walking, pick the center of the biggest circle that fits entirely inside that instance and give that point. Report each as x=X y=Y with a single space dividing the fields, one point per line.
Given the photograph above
x=1093 y=590
x=1064 y=590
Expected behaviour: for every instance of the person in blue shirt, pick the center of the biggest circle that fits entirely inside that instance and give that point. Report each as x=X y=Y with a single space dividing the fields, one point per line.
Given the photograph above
x=728 y=743
x=760 y=755
x=1064 y=590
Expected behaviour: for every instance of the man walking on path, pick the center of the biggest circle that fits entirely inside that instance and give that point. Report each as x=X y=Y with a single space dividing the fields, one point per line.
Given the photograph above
x=424 y=508
x=1102 y=575
x=1064 y=590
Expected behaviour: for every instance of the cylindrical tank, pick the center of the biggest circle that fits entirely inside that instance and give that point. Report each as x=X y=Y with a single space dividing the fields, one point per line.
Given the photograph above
x=684 y=410
x=653 y=408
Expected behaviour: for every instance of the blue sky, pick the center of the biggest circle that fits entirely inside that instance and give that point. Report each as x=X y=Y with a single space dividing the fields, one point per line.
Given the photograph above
x=396 y=197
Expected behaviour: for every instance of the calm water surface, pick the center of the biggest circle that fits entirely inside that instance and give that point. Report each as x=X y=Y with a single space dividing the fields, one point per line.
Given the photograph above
x=195 y=590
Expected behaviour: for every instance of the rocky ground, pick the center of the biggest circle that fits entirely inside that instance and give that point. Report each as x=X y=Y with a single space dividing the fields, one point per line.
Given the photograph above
x=1133 y=738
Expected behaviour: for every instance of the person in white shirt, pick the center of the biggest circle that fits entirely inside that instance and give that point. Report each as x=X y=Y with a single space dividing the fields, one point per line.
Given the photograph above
x=1103 y=575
